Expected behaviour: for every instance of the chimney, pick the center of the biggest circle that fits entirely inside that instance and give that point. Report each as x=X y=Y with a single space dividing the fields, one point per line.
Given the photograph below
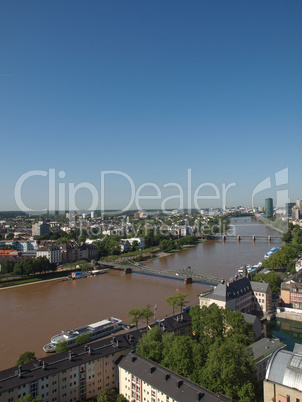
x=43 y=365
x=19 y=371
x=133 y=358
x=152 y=369
x=89 y=350
x=69 y=355
x=179 y=384
x=199 y=396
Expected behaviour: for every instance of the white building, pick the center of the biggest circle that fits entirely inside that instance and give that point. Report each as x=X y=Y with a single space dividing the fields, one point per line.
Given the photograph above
x=52 y=253
x=40 y=229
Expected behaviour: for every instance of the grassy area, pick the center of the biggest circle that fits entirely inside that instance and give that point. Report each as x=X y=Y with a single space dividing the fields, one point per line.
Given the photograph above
x=137 y=253
x=37 y=278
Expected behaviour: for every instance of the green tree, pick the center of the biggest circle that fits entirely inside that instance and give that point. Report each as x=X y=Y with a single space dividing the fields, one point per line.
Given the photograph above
x=9 y=236
x=28 y=266
x=43 y=265
x=29 y=398
x=207 y=323
x=282 y=257
x=287 y=237
x=81 y=339
x=213 y=323
x=182 y=300
x=178 y=356
x=7 y=247
x=272 y=278
x=136 y=315
x=107 y=395
x=19 y=268
x=147 y=313
x=8 y=266
x=61 y=347
x=26 y=357
x=150 y=345
x=172 y=301
x=229 y=368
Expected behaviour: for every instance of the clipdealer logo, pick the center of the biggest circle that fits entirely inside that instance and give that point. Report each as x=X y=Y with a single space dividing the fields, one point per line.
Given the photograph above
x=57 y=199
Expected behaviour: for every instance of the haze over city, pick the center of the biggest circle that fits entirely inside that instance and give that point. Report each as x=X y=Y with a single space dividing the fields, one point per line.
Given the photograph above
x=185 y=93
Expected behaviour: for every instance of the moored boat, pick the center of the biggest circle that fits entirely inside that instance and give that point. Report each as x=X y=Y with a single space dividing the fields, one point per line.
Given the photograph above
x=270 y=252
x=96 y=330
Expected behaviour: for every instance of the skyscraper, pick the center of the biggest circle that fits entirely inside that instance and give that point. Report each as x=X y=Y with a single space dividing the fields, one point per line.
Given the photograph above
x=288 y=209
x=269 y=209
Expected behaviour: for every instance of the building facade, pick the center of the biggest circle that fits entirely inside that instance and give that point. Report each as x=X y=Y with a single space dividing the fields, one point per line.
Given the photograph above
x=240 y=295
x=40 y=229
x=291 y=294
x=141 y=379
x=78 y=374
x=52 y=253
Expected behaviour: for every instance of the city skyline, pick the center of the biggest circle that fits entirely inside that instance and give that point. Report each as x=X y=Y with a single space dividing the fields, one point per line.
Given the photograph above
x=153 y=91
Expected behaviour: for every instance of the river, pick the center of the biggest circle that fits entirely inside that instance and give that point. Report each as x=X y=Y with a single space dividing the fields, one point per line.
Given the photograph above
x=31 y=314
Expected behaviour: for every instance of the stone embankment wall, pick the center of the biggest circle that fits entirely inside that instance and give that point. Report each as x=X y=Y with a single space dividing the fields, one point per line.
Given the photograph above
x=289 y=314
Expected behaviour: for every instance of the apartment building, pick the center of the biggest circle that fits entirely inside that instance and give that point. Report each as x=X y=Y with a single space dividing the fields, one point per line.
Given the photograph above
x=69 y=376
x=40 y=229
x=141 y=379
x=52 y=253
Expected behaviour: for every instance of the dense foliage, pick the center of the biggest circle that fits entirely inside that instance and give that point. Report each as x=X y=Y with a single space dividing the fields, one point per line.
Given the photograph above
x=26 y=357
x=218 y=357
x=81 y=339
x=61 y=347
x=136 y=314
x=110 y=395
x=177 y=300
x=272 y=278
x=282 y=257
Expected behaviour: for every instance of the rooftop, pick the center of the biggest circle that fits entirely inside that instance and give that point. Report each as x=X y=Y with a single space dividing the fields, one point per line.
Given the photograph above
x=285 y=368
x=265 y=347
x=166 y=381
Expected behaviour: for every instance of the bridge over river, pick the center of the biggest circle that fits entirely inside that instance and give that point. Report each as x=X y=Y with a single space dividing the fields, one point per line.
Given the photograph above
x=225 y=237
x=131 y=266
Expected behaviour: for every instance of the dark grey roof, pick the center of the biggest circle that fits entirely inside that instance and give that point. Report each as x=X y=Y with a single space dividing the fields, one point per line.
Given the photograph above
x=260 y=287
x=166 y=381
x=231 y=290
x=265 y=347
x=57 y=362
x=249 y=318
x=174 y=323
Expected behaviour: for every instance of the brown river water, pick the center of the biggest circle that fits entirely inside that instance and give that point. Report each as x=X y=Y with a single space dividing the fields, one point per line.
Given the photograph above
x=30 y=315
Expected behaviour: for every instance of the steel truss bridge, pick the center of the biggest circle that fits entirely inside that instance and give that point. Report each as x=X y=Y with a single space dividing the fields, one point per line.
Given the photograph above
x=183 y=273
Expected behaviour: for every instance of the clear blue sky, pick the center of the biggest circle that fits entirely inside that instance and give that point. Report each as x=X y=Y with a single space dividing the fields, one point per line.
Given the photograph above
x=150 y=88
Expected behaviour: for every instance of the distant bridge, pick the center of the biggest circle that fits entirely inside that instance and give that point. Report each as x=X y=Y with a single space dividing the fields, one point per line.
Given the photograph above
x=129 y=266
x=253 y=238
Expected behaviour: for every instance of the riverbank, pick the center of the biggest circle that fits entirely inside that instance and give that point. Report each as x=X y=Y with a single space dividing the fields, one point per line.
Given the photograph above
x=65 y=272
x=49 y=276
